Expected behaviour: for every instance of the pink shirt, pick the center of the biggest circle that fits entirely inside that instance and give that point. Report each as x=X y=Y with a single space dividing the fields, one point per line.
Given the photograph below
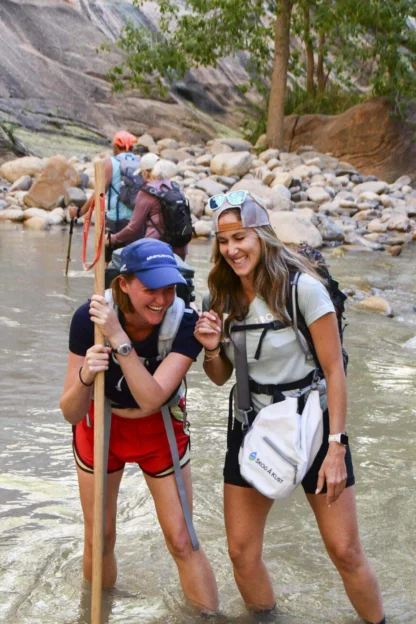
x=146 y=206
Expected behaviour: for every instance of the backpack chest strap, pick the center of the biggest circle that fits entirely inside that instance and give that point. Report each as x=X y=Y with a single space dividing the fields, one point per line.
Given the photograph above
x=274 y=325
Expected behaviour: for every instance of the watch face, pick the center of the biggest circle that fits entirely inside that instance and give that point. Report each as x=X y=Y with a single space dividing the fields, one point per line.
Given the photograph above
x=124 y=349
x=344 y=439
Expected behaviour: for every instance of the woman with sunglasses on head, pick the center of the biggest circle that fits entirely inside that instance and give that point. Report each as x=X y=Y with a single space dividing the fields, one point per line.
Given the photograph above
x=250 y=282
x=143 y=374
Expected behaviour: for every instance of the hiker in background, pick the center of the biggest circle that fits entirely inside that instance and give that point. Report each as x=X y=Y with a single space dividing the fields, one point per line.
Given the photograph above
x=249 y=281
x=118 y=214
x=138 y=382
x=147 y=219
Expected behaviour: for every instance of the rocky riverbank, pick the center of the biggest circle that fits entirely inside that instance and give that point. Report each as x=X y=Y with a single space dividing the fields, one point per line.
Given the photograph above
x=313 y=198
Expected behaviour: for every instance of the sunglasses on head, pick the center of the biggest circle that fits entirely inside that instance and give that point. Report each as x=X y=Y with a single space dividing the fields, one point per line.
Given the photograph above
x=234 y=198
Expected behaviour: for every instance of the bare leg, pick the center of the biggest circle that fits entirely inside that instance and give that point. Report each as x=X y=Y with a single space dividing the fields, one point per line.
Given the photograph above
x=86 y=490
x=246 y=512
x=339 y=529
x=195 y=573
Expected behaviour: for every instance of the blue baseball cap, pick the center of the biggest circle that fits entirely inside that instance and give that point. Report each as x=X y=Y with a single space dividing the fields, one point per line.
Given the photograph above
x=152 y=262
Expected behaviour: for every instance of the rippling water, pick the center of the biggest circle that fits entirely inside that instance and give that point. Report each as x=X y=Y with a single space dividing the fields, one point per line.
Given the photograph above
x=40 y=517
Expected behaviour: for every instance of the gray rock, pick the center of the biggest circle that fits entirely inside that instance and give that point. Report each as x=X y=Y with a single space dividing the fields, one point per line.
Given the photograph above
x=3 y=204
x=74 y=196
x=211 y=187
x=371 y=185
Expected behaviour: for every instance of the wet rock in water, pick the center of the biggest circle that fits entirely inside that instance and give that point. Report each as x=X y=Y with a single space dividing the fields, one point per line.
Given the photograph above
x=394 y=250
x=12 y=214
x=375 y=304
x=410 y=344
x=37 y=223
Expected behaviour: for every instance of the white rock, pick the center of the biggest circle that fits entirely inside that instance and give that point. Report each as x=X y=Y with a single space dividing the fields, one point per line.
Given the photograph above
x=282 y=177
x=318 y=195
x=12 y=214
x=236 y=163
x=375 y=304
x=294 y=229
x=376 y=187
x=273 y=198
x=268 y=154
x=375 y=225
x=168 y=144
x=203 y=228
x=197 y=200
x=36 y=212
x=301 y=171
x=26 y=166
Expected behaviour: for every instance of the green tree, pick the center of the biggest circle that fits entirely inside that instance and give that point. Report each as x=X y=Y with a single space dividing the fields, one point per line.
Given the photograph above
x=339 y=39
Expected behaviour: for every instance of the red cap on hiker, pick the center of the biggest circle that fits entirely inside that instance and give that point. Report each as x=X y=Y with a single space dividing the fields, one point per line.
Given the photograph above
x=124 y=139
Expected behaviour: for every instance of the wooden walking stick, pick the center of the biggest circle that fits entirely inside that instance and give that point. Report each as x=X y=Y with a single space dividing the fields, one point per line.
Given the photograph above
x=100 y=468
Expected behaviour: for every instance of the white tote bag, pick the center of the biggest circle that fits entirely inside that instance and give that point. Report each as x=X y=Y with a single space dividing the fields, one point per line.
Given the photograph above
x=281 y=445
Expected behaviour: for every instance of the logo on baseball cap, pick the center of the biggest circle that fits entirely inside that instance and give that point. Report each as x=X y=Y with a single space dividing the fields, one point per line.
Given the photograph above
x=152 y=262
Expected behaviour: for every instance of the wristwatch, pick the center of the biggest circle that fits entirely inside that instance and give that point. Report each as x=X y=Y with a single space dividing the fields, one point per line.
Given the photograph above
x=123 y=349
x=341 y=438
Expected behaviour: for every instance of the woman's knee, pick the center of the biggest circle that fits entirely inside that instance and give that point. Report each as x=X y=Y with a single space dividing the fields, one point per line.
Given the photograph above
x=347 y=557
x=243 y=554
x=179 y=543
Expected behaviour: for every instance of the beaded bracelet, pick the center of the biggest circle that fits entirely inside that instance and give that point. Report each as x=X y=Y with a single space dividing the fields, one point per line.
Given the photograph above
x=212 y=350
x=212 y=357
x=82 y=381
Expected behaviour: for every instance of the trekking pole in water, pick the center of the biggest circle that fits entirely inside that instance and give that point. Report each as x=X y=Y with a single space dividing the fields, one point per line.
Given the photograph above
x=68 y=253
x=99 y=468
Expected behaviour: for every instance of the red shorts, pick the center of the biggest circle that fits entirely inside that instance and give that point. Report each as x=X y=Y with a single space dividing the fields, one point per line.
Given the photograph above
x=140 y=440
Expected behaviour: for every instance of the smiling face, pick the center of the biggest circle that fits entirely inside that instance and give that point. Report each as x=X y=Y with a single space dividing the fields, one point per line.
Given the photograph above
x=150 y=305
x=240 y=248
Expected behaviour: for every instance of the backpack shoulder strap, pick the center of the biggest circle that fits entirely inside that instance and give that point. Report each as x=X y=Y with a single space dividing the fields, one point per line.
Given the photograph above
x=292 y=305
x=150 y=190
x=170 y=326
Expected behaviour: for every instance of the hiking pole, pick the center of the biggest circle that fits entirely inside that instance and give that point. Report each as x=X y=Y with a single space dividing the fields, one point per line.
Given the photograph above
x=100 y=469
x=68 y=253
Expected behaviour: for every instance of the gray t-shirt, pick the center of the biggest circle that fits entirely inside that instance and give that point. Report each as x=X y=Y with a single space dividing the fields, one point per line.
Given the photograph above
x=282 y=359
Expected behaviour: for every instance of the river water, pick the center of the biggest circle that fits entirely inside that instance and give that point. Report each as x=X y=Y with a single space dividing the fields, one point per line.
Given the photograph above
x=41 y=533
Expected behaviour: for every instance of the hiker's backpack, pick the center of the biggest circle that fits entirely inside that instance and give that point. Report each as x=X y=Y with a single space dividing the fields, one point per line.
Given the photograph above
x=176 y=214
x=131 y=182
x=184 y=291
x=337 y=297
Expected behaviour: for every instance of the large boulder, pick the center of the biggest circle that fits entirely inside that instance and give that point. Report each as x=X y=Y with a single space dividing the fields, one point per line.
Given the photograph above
x=26 y=166
x=275 y=198
x=366 y=135
x=54 y=180
x=234 y=163
x=293 y=228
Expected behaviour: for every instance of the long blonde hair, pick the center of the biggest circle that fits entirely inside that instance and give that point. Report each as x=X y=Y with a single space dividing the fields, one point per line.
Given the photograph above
x=271 y=278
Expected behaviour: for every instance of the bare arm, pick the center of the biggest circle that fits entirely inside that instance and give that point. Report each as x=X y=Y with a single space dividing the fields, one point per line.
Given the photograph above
x=76 y=396
x=208 y=332
x=141 y=210
x=326 y=340
x=73 y=210
x=150 y=392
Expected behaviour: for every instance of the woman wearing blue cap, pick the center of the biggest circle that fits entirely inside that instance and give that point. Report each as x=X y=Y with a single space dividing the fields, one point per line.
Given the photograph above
x=139 y=380
x=249 y=287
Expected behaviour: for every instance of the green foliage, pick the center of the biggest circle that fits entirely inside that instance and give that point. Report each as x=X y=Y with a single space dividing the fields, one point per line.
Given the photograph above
x=354 y=43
